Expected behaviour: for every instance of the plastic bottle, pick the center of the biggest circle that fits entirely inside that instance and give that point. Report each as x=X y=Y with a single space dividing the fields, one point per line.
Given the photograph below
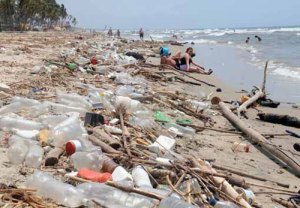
x=34 y=156
x=52 y=120
x=66 y=130
x=73 y=99
x=194 y=185
x=131 y=105
x=58 y=191
x=60 y=108
x=141 y=177
x=225 y=204
x=172 y=202
x=198 y=105
x=106 y=103
x=8 y=123
x=112 y=197
x=89 y=160
x=184 y=131
x=27 y=134
x=16 y=152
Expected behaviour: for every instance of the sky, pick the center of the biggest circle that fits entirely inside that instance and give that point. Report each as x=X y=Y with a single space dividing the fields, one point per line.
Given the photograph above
x=183 y=14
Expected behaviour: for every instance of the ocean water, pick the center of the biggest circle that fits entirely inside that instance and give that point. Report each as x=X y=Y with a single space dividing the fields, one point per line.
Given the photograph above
x=279 y=45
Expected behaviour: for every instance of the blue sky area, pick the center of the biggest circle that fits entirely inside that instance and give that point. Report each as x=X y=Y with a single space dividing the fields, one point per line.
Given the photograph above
x=184 y=14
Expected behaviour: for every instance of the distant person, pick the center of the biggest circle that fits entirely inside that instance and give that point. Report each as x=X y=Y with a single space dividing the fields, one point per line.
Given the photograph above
x=247 y=40
x=186 y=62
x=258 y=38
x=141 y=32
x=118 y=33
x=175 y=36
x=110 y=32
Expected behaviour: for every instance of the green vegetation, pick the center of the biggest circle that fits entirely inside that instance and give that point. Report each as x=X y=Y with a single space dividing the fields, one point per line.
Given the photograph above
x=33 y=14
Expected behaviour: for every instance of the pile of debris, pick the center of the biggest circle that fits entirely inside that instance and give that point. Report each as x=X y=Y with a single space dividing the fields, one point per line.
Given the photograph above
x=108 y=136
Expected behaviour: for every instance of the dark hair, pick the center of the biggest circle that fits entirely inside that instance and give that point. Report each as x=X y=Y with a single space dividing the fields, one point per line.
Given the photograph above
x=189 y=48
x=193 y=55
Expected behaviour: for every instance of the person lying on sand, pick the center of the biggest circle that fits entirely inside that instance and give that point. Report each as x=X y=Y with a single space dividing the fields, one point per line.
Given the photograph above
x=186 y=62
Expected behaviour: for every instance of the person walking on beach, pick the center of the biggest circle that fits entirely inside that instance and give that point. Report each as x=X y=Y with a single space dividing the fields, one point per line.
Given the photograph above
x=186 y=62
x=110 y=32
x=258 y=38
x=247 y=40
x=141 y=32
x=118 y=33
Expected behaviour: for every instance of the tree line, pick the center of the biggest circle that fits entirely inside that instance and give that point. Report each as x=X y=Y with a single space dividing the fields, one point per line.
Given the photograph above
x=33 y=14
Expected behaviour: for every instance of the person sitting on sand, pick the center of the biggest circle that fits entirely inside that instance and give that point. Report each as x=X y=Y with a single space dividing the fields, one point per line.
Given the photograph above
x=186 y=62
x=166 y=59
x=258 y=38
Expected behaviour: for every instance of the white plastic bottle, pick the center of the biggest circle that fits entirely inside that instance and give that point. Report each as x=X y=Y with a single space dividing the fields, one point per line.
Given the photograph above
x=9 y=123
x=16 y=152
x=141 y=177
x=34 y=156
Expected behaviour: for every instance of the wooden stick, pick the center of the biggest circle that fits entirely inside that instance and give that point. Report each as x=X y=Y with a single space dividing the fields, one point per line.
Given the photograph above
x=263 y=88
x=134 y=190
x=270 y=187
x=105 y=147
x=124 y=136
x=185 y=74
x=256 y=137
x=240 y=173
x=103 y=136
x=283 y=203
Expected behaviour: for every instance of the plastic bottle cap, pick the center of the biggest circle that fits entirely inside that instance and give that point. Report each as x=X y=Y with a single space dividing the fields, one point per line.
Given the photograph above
x=73 y=146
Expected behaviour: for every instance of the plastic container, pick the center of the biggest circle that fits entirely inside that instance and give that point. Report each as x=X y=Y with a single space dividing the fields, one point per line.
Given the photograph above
x=162 y=144
x=194 y=185
x=181 y=130
x=240 y=147
x=198 y=105
x=172 y=202
x=58 y=191
x=88 y=160
x=34 y=156
x=112 y=129
x=62 y=109
x=26 y=134
x=108 y=165
x=141 y=177
x=16 y=152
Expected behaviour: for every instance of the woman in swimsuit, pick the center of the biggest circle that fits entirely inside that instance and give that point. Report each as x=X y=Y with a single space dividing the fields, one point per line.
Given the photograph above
x=186 y=61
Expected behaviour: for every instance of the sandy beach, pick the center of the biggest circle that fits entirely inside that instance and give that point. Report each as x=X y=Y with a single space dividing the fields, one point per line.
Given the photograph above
x=21 y=52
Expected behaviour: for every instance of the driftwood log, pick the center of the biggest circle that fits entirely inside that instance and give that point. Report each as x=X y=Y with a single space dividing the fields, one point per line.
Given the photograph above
x=280 y=119
x=103 y=136
x=256 y=137
x=259 y=94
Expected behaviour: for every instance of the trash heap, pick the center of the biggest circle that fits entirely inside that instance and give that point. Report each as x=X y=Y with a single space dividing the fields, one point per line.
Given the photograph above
x=112 y=136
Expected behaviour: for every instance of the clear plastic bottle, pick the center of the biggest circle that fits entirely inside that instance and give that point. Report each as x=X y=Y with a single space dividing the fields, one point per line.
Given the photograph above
x=58 y=191
x=60 y=108
x=225 y=204
x=131 y=105
x=89 y=160
x=73 y=99
x=17 y=151
x=34 y=156
x=9 y=123
x=52 y=120
x=172 y=202
x=185 y=131
x=66 y=130
x=141 y=177
x=112 y=197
